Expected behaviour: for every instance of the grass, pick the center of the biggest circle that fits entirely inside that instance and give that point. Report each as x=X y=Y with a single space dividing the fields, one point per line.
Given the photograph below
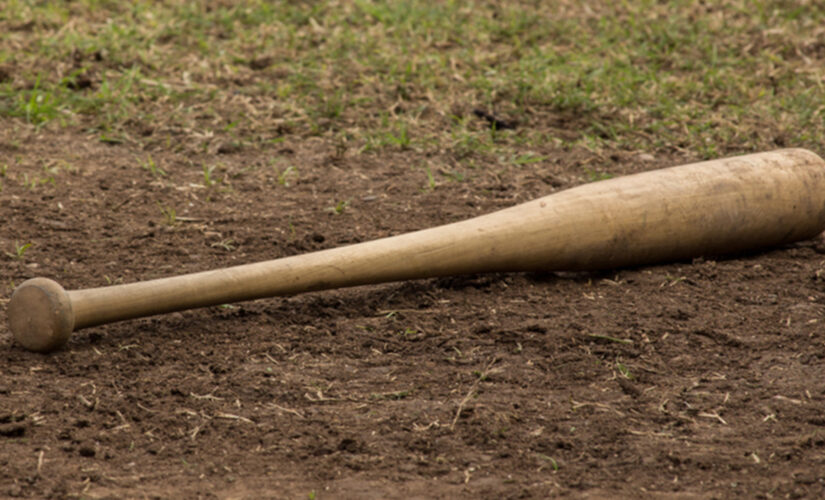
x=430 y=179
x=150 y=166
x=724 y=76
x=19 y=250
x=552 y=461
x=227 y=244
x=594 y=176
x=170 y=217
x=339 y=208
x=624 y=370
x=288 y=176
x=608 y=338
x=208 y=178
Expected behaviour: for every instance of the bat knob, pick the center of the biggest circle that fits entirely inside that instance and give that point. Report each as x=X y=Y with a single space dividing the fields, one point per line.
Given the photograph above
x=40 y=315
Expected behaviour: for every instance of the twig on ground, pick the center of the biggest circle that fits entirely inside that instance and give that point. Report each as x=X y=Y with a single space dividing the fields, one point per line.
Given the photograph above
x=482 y=376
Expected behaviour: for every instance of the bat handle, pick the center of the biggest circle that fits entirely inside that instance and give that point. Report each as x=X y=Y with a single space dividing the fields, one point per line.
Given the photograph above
x=40 y=315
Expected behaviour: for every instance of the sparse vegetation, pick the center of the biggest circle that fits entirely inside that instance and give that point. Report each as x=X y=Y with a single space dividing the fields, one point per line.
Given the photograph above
x=288 y=176
x=553 y=464
x=623 y=369
x=208 y=170
x=112 y=281
x=340 y=207
x=150 y=166
x=170 y=217
x=227 y=244
x=19 y=250
x=630 y=75
x=595 y=176
x=430 y=179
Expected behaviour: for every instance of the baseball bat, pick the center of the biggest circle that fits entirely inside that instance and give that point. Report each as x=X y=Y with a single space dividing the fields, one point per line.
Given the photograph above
x=703 y=209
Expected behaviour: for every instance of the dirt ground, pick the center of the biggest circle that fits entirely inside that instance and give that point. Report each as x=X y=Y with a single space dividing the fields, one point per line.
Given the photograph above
x=694 y=379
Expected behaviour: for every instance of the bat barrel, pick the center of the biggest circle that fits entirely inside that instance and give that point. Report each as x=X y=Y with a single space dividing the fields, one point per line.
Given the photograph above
x=709 y=208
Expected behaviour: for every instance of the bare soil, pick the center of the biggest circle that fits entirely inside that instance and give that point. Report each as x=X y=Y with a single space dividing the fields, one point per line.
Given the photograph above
x=694 y=379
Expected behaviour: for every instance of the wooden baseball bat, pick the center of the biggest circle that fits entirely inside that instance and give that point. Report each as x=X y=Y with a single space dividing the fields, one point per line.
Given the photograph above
x=703 y=209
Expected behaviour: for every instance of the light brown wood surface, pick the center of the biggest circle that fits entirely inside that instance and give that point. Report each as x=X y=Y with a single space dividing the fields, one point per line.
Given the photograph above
x=703 y=209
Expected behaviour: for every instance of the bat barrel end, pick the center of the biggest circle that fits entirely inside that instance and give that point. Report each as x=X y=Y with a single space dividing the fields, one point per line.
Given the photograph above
x=40 y=315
